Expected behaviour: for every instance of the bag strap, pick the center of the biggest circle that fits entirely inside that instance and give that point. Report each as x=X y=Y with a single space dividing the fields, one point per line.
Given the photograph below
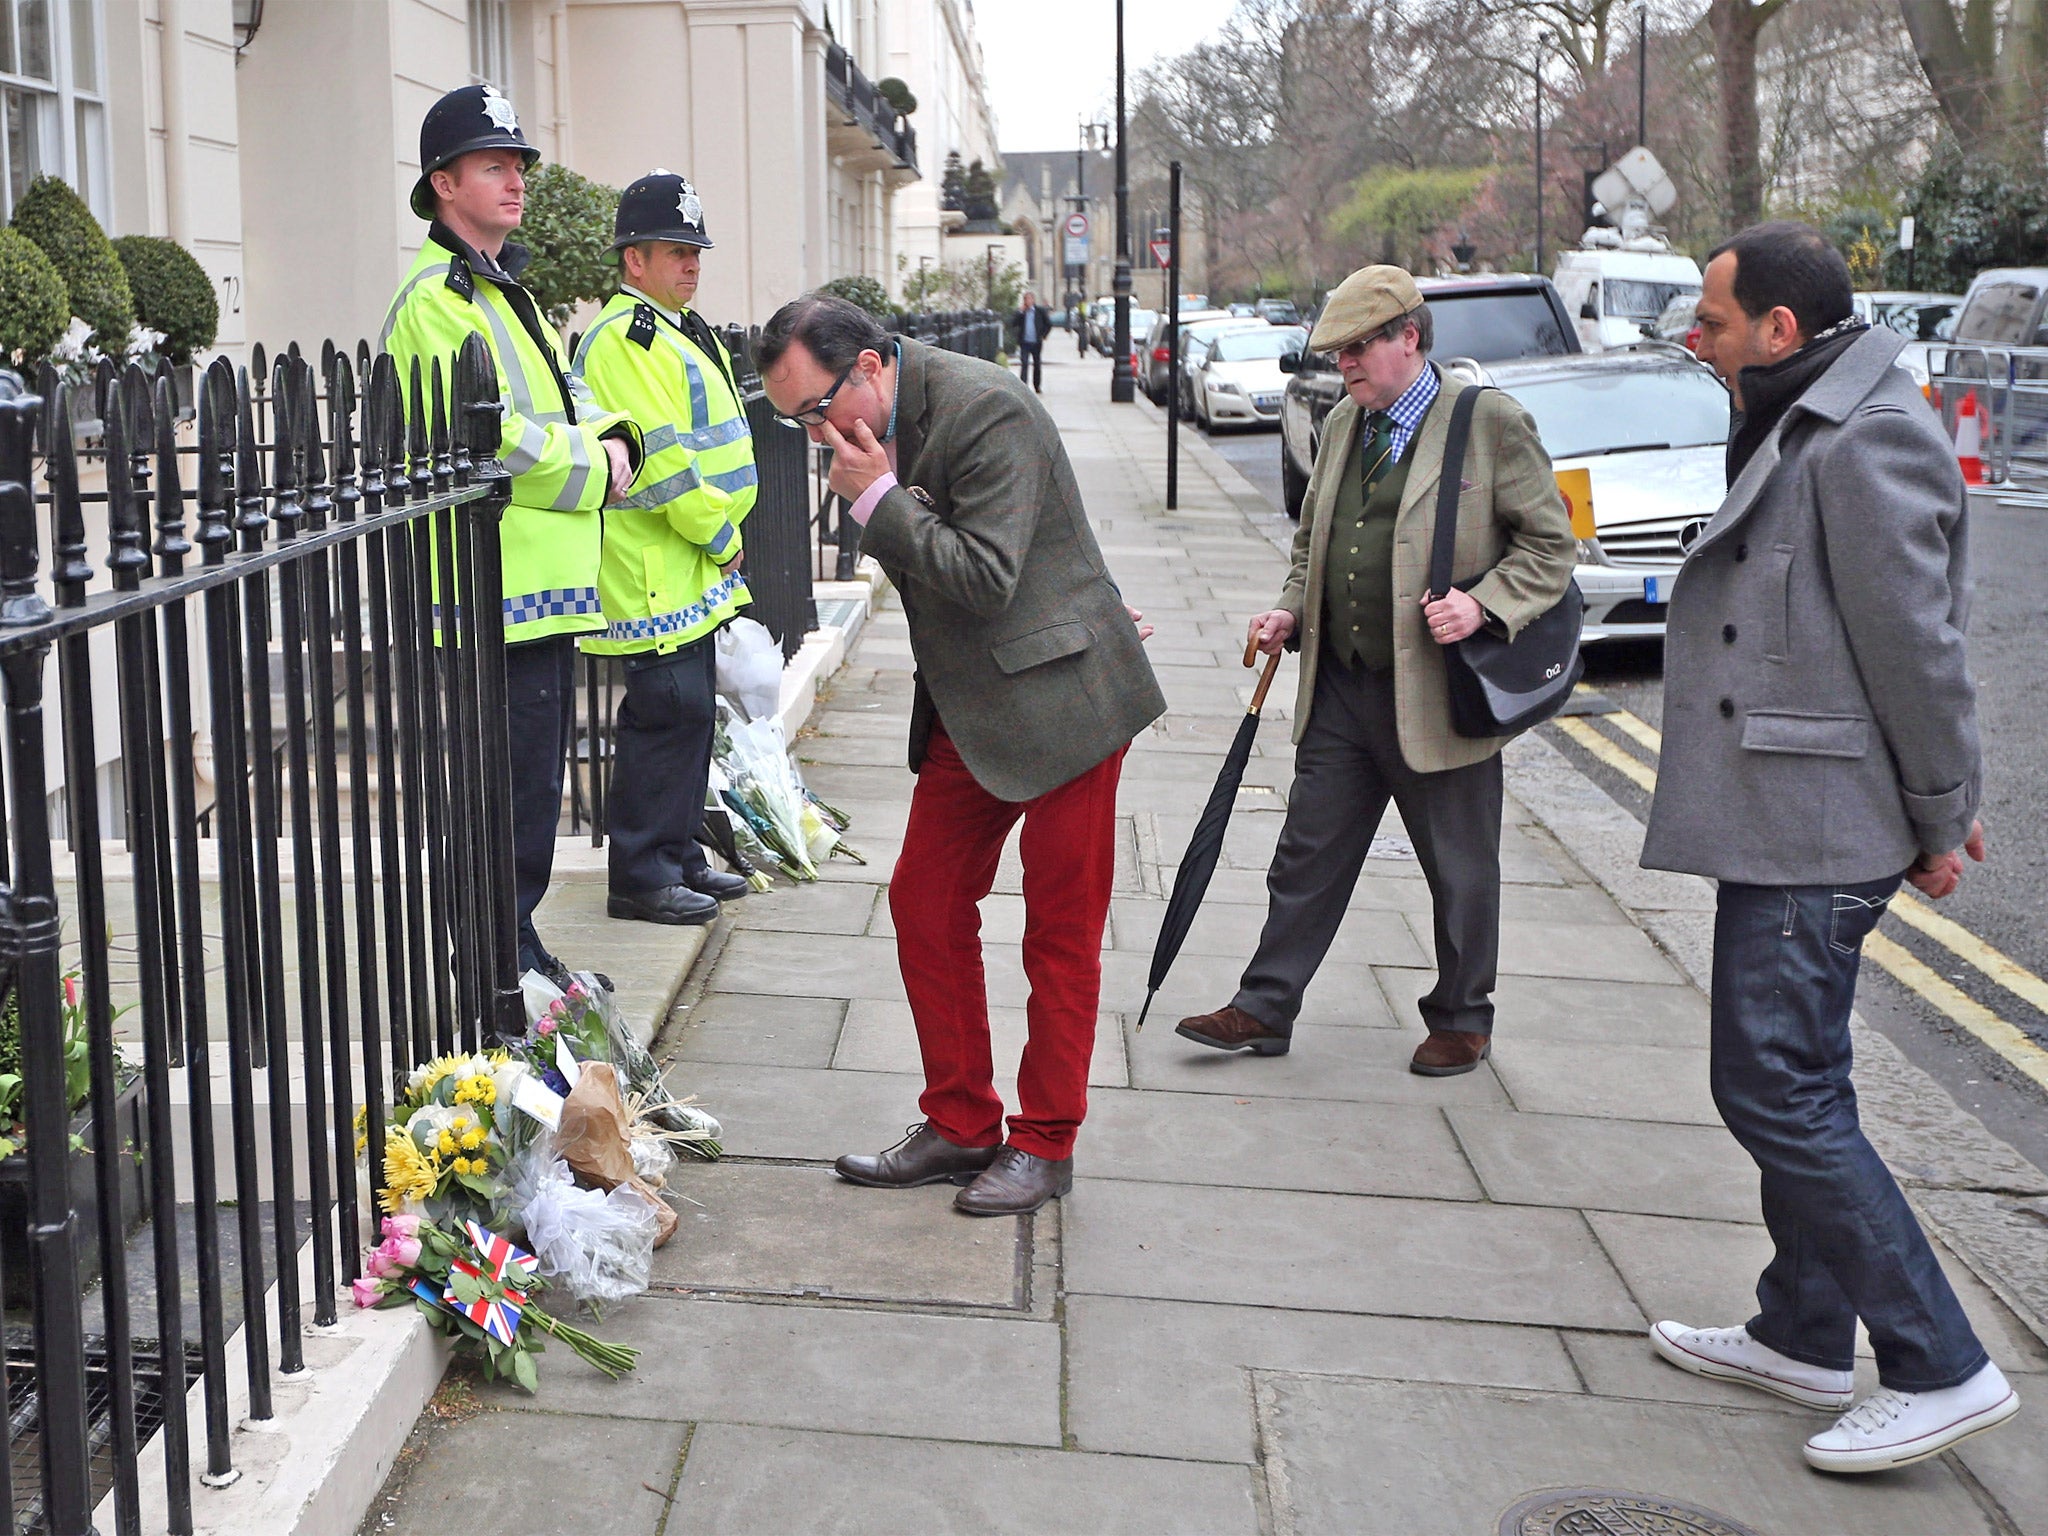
x=1449 y=482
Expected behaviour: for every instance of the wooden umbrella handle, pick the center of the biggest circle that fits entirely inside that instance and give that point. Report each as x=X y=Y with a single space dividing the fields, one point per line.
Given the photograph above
x=1265 y=682
x=1251 y=650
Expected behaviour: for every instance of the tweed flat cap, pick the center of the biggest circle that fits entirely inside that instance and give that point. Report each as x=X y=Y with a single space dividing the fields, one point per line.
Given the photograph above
x=1361 y=304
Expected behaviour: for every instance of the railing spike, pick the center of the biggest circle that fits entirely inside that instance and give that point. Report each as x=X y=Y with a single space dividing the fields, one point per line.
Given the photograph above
x=171 y=544
x=127 y=558
x=20 y=604
x=416 y=432
x=216 y=459
x=250 y=523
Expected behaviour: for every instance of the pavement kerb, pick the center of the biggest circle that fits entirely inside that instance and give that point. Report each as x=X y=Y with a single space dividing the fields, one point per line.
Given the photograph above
x=316 y=1467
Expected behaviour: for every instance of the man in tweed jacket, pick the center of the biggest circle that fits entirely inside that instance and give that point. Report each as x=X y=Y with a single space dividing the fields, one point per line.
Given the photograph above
x=1372 y=719
x=1032 y=680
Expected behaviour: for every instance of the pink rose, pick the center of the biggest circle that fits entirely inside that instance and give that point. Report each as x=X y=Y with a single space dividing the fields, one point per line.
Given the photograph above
x=544 y=1028
x=70 y=990
x=378 y=1263
x=404 y=1252
x=367 y=1292
x=404 y=1225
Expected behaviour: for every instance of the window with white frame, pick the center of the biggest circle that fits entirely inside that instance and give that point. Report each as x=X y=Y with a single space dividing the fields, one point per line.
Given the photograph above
x=490 y=43
x=53 y=112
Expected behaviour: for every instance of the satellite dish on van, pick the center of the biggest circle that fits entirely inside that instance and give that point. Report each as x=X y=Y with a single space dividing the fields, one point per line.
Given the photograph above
x=1636 y=177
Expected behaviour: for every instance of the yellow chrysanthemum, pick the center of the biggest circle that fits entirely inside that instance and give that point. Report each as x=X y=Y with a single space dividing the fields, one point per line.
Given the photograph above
x=362 y=1128
x=446 y=1143
x=409 y=1174
x=432 y=1074
x=471 y=1140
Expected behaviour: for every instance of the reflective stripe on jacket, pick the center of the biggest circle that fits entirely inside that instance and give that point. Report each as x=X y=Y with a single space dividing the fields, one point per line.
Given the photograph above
x=552 y=534
x=669 y=546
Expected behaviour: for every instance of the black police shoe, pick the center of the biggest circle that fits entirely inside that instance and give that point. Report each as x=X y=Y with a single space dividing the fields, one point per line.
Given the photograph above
x=674 y=904
x=717 y=883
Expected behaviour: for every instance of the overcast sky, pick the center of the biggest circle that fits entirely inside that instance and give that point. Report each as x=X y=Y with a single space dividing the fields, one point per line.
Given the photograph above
x=1053 y=62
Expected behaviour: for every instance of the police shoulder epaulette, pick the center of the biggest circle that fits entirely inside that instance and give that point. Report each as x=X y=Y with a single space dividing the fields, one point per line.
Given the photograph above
x=642 y=328
x=461 y=279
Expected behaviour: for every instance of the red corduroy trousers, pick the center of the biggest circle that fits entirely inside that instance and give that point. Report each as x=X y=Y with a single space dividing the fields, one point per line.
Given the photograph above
x=950 y=851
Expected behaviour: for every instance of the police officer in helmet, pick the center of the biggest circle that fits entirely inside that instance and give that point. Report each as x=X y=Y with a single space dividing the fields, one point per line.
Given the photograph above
x=567 y=457
x=672 y=551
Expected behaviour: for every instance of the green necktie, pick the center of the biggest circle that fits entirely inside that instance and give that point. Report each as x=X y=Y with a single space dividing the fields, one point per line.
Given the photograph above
x=1379 y=449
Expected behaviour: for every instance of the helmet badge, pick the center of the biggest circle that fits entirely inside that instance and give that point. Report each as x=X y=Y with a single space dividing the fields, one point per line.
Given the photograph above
x=690 y=206
x=499 y=110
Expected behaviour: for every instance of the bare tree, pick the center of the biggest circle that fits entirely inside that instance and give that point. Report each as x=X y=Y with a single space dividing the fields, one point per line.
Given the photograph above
x=1991 y=81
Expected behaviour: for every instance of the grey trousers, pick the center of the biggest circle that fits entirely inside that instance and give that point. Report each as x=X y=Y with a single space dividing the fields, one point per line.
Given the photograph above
x=1346 y=769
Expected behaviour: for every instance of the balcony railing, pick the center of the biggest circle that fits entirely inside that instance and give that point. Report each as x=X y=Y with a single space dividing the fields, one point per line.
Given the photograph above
x=854 y=94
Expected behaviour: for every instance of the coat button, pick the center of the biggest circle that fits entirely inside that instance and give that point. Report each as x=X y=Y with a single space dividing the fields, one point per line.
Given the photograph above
x=1727 y=709
x=1728 y=633
x=1741 y=552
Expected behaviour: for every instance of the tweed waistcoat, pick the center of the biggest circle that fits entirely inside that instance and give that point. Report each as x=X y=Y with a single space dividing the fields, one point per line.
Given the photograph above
x=1359 y=578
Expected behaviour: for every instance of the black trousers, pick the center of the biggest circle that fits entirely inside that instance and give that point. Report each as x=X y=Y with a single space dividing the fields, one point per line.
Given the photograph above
x=661 y=767
x=540 y=693
x=1346 y=769
x=1032 y=366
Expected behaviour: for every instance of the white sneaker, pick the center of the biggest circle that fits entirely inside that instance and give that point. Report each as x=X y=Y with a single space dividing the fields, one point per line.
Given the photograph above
x=1890 y=1429
x=1730 y=1354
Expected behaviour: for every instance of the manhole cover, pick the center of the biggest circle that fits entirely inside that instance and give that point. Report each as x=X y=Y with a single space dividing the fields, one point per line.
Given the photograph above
x=1612 y=1512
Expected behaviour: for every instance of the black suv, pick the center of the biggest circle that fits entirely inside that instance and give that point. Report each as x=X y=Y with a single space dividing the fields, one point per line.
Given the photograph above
x=1488 y=319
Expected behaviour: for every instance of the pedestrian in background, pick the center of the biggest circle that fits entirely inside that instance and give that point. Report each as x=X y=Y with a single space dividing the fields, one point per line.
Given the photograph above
x=567 y=457
x=672 y=552
x=1820 y=746
x=1031 y=325
x=1031 y=682
x=1372 y=717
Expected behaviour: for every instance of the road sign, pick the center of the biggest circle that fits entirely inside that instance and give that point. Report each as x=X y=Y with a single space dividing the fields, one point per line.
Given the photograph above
x=1076 y=242
x=1162 y=252
x=1077 y=226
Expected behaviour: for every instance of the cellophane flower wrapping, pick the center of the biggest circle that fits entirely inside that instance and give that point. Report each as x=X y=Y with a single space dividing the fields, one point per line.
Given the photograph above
x=598 y=1247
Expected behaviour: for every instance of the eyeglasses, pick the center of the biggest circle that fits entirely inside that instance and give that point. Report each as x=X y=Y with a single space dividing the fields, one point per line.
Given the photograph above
x=815 y=416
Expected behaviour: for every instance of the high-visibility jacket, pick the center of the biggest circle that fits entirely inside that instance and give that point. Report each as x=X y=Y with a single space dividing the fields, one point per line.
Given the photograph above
x=668 y=576
x=551 y=441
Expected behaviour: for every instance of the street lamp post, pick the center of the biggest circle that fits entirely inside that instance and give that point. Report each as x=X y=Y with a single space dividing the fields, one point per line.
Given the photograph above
x=1542 y=49
x=1121 y=384
x=1643 y=74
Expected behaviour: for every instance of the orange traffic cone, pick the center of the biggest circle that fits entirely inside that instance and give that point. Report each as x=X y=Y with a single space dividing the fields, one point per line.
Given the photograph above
x=1970 y=441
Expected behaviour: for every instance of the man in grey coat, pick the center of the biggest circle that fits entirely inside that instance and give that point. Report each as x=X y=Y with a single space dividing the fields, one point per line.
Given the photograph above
x=1032 y=680
x=1820 y=747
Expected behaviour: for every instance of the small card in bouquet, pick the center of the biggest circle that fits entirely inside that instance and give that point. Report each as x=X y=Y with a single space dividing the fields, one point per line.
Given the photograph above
x=539 y=1101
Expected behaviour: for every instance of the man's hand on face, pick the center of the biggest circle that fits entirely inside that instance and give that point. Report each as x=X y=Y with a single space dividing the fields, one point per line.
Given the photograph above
x=857 y=462
x=1269 y=631
x=1452 y=617
x=1935 y=875
x=622 y=469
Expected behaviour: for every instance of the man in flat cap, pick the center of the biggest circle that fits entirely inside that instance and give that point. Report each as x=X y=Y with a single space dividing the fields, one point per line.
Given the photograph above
x=1372 y=719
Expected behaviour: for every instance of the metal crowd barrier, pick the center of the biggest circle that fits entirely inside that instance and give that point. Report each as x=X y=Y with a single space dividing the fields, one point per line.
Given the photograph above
x=284 y=645
x=2009 y=387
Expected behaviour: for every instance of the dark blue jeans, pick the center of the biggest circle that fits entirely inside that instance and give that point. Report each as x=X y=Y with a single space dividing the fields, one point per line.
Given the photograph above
x=1785 y=960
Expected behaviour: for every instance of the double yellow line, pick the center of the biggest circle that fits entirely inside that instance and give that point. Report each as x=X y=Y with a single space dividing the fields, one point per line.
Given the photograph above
x=1904 y=967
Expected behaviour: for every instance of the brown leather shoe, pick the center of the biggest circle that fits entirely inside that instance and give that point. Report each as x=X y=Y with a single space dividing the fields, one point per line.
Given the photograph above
x=1448 y=1052
x=921 y=1157
x=1016 y=1184
x=1232 y=1029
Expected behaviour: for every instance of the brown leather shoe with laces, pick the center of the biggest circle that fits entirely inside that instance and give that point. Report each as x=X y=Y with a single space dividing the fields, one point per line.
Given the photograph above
x=1232 y=1029
x=1448 y=1052
x=922 y=1157
x=1016 y=1184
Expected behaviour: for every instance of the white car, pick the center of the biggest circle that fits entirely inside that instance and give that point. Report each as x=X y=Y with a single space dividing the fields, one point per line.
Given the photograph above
x=1239 y=380
x=1649 y=425
x=1922 y=318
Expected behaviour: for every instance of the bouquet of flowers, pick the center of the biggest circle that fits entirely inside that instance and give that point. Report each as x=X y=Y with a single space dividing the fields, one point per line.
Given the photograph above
x=450 y=1135
x=770 y=805
x=478 y=1288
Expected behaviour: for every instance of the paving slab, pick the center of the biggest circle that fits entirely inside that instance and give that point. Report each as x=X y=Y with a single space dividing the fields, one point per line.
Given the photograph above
x=1340 y=1253
x=743 y=1480
x=1172 y=1378
x=811 y=908
x=1365 y=1066
x=567 y=1467
x=1593 y=951
x=1231 y=930
x=788 y=1112
x=1615 y=1165
x=1341 y=994
x=777 y=1229
x=1275 y=1143
x=1630 y=1082
x=808 y=965
x=881 y=1037
x=763 y=1031
x=812 y=1367
x=1002 y=920
x=1384 y=1458
x=1594 y=1012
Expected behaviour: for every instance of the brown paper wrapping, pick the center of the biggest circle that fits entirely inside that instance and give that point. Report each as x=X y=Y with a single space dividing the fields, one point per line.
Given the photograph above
x=592 y=1140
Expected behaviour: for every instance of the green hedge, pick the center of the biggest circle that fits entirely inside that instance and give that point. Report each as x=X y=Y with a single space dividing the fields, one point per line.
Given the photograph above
x=864 y=291
x=35 y=308
x=53 y=216
x=172 y=292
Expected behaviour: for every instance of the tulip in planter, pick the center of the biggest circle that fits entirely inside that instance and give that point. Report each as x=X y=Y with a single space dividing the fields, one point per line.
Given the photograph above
x=126 y=1143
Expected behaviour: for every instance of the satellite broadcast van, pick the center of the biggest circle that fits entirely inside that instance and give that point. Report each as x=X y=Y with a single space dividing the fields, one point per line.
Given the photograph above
x=1618 y=281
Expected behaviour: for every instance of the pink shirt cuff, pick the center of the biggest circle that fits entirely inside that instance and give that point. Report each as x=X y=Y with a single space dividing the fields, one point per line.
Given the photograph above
x=863 y=509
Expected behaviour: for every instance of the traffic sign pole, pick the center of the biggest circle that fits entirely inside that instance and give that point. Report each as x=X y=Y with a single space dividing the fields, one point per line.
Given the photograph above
x=1172 y=265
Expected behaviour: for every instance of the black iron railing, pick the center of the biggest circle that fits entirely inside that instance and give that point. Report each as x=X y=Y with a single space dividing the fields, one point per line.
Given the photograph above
x=327 y=529
x=855 y=95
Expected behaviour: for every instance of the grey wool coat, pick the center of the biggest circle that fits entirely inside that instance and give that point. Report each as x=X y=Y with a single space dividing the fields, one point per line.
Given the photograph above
x=1513 y=550
x=1819 y=718
x=1024 y=647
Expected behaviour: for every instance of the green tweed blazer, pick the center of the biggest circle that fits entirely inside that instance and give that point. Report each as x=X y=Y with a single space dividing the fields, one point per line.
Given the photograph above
x=1514 y=535
x=1024 y=647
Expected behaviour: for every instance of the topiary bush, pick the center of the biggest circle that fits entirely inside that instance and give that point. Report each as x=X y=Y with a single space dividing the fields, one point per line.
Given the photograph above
x=35 y=307
x=568 y=228
x=55 y=217
x=864 y=291
x=172 y=292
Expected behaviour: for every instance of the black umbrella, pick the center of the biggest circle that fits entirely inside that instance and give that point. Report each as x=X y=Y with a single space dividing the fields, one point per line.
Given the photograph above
x=1191 y=883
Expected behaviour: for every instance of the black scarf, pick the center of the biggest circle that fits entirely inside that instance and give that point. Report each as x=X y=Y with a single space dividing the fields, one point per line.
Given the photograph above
x=1769 y=392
